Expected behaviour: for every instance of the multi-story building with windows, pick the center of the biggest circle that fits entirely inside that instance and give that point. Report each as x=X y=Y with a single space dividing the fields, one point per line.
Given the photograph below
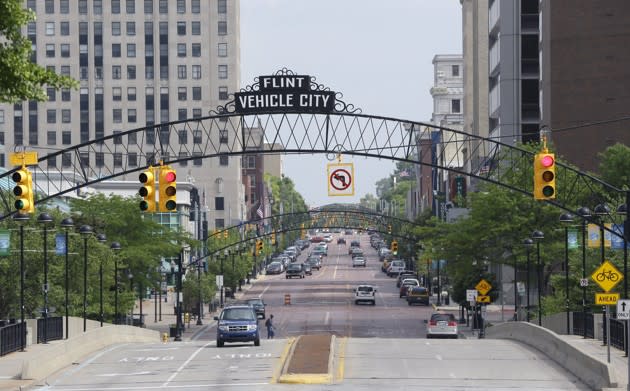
x=139 y=63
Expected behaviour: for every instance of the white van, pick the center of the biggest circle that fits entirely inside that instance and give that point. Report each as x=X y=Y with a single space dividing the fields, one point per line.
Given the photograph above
x=396 y=266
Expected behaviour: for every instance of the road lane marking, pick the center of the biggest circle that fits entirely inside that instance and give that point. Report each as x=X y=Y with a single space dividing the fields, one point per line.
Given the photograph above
x=181 y=367
x=281 y=361
x=342 y=360
x=263 y=292
x=438 y=357
x=327 y=318
x=125 y=374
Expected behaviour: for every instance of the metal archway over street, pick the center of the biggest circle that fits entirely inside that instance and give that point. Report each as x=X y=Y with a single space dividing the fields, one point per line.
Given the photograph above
x=281 y=114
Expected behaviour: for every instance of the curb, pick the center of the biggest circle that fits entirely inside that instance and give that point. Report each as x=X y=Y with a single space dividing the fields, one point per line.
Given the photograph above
x=307 y=378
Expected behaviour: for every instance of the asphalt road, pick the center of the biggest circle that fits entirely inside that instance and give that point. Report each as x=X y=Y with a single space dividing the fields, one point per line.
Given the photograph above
x=377 y=346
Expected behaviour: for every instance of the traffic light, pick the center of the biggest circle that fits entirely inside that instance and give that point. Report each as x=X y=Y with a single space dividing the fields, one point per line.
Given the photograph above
x=259 y=246
x=147 y=191
x=273 y=238
x=394 y=247
x=389 y=229
x=544 y=176
x=168 y=189
x=23 y=190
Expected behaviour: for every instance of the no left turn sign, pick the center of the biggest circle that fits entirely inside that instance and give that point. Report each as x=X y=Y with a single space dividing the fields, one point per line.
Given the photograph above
x=340 y=179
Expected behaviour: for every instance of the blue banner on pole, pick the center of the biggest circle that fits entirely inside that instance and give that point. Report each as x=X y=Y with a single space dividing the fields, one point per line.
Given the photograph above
x=617 y=241
x=5 y=242
x=572 y=238
x=60 y=244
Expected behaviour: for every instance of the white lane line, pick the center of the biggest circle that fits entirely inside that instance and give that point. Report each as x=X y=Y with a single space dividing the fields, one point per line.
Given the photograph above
x=181 y=367
x=438 y=357
x=327 y=318
x=183 y=386
x=263 y=292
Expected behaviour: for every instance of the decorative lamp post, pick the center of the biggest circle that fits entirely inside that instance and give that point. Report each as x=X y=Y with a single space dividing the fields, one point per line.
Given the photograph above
x=200 y=305
x=602 y=210
x=528 y=243
x=22 y=218
x=101 y=239
x=115 y=247
x=538 y=236
x=622 y=210
x=584 y=213
x=85 y=231
x=178 y=336
x=566 y=219
x=45 y=219
x=66 y=224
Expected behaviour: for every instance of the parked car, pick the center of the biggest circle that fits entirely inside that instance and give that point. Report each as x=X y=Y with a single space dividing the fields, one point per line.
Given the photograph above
x=364 y=293
x=418 y=294
x=406 y=284
x=295 y=270
x=259 y=306
x=441 y=325
x=317 y=239
x=395 y=267
x=403 y=275
x=358 y=261
x=275 y=268
x=237 y=323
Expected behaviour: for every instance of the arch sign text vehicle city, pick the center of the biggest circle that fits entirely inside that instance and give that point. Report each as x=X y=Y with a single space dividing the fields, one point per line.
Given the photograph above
x=294 y=114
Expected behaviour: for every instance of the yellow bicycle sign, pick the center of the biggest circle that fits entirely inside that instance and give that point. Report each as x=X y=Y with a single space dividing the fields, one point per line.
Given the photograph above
x=607 y=276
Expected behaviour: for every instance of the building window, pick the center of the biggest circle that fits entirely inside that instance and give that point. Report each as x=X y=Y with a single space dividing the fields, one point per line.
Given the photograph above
x=116 y=93
x=148 y=72
x=181 y=72
x=131 y=94
x=182 y=136
x=164 y=6
x=51 y=116
x=131 y=50
x=455 y=106
x=51 y=137
x=196 y=93
x=116 y=72
x=64 y=28
x=181 y=28
x=196 y=113
x=50 y=6
x=195 y=28
x=181 y=6
x=118 y=159
x=223 y=71
x=219 y=223
x=66 y=116
x=223 y=93
x=223 y=136
x=132 y=159
x=117 y=115
x=197 y=137
x=455 y=70
x=115 y=7
x=1 y=116
x=97 y=6
x=131 y=6
x=116 y=29
x=131 y=28
x=182 y=114
x=181 y=93
x=223 y=160
x=65 y=50
x=50 y=28
x=181 y=50
x=131 y=115
x=195 y=7
x=65 y=95
x=52 y=94
x=66 y=137
x=64 y=6
x=196 y=72
x=148 y=6
x=65 y=70
x=131 y=72
x=196 y=50
x=222 y=6
x=222 y=52
x=117 y=138
x=99 y=159
x=50 y=50
x=219 y=203
x=197 y=160
x=222 y=28
x=66 y=159
x=115 y=50
x=83 y=7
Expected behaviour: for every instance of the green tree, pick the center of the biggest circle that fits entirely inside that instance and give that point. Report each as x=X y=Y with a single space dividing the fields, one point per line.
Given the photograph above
x=20 y=78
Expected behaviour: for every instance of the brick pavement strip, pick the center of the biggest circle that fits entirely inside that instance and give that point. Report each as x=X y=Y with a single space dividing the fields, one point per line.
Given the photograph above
x=309 y=361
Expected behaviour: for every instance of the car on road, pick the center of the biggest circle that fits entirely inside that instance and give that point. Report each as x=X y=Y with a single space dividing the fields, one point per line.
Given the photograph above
x=356 y=252
x=275 y=268
x=358 y=261
x=407 y=284
x=365 y=293
x=417 y=295
x=315 y=262
x=441 y=325
x=258 y=305
x=295 y=270
x=237 y=323
x=328 y=238
x=405 y=274
x=341 y=241
x=308 y=270
x=348 y=232
x=395 y=267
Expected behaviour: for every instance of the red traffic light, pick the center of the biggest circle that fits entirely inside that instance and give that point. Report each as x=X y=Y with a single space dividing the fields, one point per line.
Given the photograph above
x=170 y=176
x=547 y=161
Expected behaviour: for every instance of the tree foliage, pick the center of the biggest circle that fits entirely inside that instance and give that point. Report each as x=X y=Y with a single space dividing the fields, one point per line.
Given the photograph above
x=20 y=78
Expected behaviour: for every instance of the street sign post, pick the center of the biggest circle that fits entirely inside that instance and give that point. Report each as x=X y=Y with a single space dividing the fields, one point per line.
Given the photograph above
x=471 y=295
x=483 y=287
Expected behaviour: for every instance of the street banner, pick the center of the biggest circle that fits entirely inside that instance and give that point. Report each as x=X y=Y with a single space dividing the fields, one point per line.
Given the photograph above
x=60 y=244
x=617 y=241
x=5 y=242
x=593 y=236
x=572 y=238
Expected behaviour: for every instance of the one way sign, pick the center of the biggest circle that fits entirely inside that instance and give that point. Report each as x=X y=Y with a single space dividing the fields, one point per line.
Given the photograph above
x=623 y=309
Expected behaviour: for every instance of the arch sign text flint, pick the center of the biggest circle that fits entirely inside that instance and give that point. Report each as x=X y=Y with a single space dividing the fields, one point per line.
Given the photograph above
x=281 y=93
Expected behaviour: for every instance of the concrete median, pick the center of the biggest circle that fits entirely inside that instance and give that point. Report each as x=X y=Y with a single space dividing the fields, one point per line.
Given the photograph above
x=592 y=371
x=64 y=353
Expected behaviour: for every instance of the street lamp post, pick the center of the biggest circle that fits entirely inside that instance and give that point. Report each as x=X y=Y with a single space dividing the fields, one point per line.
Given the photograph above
x=584 y=213
x=85 y=231
x=600 y=211
x=115 y=246
x=21 y=218
x=178 y=336
x=566 y=218
x=45 y=219
x=622 y=210
x=225 y=254
x=66 y=224
x=101 y=239
x=528 y=243
x=133 y=294
x=538 y=236
x=200 y=305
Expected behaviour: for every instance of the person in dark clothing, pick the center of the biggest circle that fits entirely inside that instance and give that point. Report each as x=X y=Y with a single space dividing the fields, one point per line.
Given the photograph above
x=269 y=325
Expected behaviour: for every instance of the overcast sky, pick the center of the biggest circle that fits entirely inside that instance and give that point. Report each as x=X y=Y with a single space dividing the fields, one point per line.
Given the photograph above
x=377 y=53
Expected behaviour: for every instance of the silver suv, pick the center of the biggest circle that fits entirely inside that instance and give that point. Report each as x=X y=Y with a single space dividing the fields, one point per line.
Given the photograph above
x=365 y=293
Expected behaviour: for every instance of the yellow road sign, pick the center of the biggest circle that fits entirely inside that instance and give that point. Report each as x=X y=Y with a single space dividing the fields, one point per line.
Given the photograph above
x=483 y=287
x=23 y=158
x=607 y=276
x=606 y=298
x=483 y=299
